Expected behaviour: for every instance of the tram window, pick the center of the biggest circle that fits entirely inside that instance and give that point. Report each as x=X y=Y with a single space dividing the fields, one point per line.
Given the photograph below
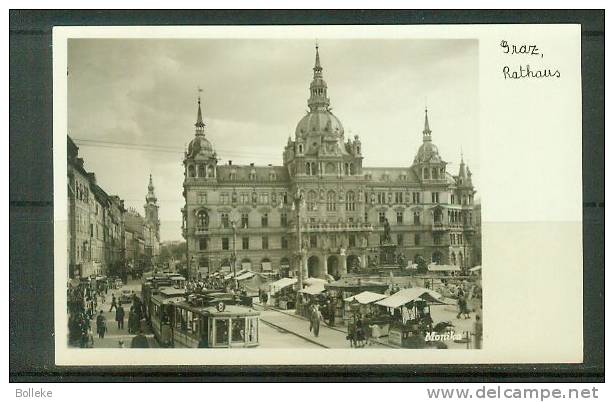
x=221 y=331
x=238 y=330
x=178 y=318
x=189 y=322
x=252 y=330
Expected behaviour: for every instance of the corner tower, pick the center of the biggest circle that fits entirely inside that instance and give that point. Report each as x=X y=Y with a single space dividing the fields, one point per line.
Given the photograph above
x=152 y=208
x=428 y=165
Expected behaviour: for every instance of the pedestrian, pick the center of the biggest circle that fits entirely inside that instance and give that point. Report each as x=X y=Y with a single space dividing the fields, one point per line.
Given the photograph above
x=359 y=334
x=139 y=341
x=331 y=313
x=113 y=302
x=477 y=332
x=101 y=325
x=317 y=316
x=460 y=301
x=405 y=314
x=351 y=334
x=310 y=315
x=119 y=316
x=131 y=321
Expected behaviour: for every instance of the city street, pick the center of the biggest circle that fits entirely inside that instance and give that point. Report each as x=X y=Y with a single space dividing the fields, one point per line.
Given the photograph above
x=115 y=335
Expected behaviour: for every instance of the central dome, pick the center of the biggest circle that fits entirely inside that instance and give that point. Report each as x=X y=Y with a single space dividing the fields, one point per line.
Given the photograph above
x=427 y=152
x=319 y=122
x=200 y=145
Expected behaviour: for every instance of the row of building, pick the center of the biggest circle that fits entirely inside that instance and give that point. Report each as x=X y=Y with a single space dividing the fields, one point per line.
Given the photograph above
x=249 y=215
x=105 y=237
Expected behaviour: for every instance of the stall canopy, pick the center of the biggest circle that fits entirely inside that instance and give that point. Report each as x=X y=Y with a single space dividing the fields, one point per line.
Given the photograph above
x=245 y=275
x=241 y=272
x=314 y=289
x=405 y=296
x=282 y=283
x=356 y=284
x=253 y=284
x=441 y=268
x=366 y=297
x=314 y=281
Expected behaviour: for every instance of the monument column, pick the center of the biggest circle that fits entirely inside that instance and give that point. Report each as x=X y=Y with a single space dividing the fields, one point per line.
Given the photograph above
x=325 y=265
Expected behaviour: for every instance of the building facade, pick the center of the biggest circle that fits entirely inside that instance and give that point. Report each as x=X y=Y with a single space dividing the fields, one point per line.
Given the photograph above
x=248 y=213
x=103 y=237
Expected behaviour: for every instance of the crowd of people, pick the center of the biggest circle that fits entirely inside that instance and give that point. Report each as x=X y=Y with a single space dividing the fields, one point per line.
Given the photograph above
x=85 y=301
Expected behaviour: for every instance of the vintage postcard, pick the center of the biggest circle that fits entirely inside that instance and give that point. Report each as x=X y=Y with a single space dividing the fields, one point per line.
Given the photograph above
x=374 y=194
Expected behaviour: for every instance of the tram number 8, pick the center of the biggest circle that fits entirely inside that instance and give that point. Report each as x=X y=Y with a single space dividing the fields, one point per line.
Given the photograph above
x=221 y=306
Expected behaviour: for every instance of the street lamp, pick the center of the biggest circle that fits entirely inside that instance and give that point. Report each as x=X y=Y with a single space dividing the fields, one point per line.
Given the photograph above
x=233 y=256
x=296 y=206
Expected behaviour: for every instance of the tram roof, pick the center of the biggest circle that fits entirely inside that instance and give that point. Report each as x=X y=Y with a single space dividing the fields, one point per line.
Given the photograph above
x=229 y=310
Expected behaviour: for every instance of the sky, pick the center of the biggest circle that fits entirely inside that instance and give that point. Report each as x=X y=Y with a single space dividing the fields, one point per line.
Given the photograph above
x=143 y=93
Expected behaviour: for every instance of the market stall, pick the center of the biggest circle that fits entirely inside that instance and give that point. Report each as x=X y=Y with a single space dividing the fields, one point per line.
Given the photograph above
x=347 y=287
x=411 y=315
x=281 y=293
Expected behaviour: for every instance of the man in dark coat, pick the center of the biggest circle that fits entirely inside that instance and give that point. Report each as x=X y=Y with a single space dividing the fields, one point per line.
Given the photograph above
x=119 y=316
x=139 y=341
x=101 y=324
x=113 y=302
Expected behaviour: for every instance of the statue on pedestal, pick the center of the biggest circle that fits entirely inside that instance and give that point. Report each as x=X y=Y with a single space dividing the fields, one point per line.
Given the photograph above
x=387 y=237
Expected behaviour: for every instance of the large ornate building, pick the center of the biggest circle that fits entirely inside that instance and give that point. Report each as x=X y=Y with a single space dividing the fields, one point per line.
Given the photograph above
x=344 y=204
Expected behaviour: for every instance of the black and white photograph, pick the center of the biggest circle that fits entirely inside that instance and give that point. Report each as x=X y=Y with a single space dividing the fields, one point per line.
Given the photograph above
x=270 y=193
x=377 y=195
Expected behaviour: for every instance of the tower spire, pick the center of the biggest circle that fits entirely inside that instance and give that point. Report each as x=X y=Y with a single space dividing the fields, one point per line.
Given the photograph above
x=318 y=99
x=426 y=133
x=200 y=125
x=317 y=69
x=151 y=196
x=462 y=170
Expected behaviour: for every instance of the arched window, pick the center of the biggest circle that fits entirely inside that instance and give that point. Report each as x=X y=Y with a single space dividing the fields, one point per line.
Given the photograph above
x=202 y=219
x=350 y=201
x=308 y=169
x=330 y=168
x=453 y=258
x=211 y=172
x=191 y=171
x=311 y=200
x=331 y=204
x=300 y=148
x=436 y=257
x=352 y=171
x=201 y=171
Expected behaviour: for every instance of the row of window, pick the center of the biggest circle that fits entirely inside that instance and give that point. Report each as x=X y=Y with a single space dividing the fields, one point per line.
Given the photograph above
x=201 y=170
x=203 y=242
x=456 y=238
x=381 y=198
x=247 y=198
x=203 y=218
x=313 y=169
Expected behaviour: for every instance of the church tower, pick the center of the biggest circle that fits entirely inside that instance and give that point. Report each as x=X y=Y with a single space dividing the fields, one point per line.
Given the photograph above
x=151 y=208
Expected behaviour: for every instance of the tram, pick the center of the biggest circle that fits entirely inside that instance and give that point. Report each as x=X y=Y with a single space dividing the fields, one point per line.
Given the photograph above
x=160 y=311
x=210 y=319
x=219 y=326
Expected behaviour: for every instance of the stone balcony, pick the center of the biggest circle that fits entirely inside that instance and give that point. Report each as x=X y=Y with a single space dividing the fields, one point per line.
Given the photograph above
x=440 y=227
x=331 y=227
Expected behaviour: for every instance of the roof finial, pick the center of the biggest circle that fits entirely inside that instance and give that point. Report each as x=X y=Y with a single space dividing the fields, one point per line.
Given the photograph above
x=318 y=67
x=427 y=129
x=200 y=125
